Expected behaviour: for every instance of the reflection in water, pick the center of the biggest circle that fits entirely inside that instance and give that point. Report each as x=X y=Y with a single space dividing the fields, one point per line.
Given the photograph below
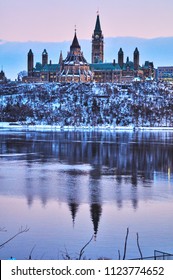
x=92 y=168
x=95 y=203
x=119 y=153
x=73 y=195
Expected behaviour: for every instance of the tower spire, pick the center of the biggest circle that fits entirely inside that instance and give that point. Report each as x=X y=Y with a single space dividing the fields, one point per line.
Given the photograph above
x=60 y=58
x=75 y=43
x=97 y=42
x=97 y=29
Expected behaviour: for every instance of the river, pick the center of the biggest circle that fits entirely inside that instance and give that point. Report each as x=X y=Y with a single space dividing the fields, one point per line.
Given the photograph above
x=69 y=186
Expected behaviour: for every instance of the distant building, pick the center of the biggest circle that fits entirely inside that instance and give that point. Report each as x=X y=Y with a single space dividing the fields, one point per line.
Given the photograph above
x=165 y=73
x=42 y=72
x=3 y=79
x=75 y=67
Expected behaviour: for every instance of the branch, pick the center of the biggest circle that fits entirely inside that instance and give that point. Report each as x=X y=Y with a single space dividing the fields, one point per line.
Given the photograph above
x=139 y=246
x=30 y=255
x=21 y=230
x=125 y=245
x=119 y=255
x=3 y=229
x=66 y=256
x=82 y=250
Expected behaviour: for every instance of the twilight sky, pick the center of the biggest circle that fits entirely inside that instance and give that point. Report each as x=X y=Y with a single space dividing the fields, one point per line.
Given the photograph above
x=55 y=20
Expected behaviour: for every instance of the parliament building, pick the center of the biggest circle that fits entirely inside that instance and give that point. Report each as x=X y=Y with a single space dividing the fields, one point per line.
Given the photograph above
x=75 y=68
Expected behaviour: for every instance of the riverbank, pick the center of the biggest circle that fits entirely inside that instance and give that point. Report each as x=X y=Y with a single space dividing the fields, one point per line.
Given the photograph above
x=45 y=127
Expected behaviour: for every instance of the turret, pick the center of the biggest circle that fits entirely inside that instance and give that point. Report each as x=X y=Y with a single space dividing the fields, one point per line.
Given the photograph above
x=136 y=59
x=30 y=63
x=60 y=58
x=44 y=57
x=120 y=58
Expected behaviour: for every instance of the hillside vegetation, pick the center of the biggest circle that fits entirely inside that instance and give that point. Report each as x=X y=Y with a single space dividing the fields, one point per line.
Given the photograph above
x=89 y=104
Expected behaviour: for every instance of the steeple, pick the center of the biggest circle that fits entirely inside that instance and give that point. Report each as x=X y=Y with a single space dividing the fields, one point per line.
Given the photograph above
x=75 y=43
x=60 y=58
x=97 y=29
x=97 y=43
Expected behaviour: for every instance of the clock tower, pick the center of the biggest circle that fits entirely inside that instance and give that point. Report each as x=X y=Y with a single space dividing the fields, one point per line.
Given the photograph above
x=97 y=43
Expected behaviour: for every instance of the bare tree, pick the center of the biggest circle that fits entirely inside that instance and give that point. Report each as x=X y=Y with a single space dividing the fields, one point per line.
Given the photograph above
x=21 y=230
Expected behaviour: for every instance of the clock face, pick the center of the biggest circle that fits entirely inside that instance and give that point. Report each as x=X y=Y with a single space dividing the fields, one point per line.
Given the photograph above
x=97 y=36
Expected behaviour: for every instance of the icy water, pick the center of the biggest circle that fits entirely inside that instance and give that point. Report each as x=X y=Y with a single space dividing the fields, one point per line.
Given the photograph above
x=67 y=186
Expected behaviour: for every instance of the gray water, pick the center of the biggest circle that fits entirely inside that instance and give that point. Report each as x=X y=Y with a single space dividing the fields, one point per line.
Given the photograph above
x=69 y=186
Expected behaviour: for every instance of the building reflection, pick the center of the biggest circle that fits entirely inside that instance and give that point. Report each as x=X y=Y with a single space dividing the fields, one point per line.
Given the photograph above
x=95 y=194
x=73 y=194
x=129 y=160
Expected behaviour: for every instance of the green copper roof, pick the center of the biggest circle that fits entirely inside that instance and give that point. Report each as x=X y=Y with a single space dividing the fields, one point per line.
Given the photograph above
x=105 y=66
x=46 y=68
x=51 y=67
x=38 y=66
x=129 y=64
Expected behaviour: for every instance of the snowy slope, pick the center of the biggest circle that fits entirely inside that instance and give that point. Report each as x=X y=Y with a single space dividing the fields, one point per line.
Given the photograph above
x=88 y=105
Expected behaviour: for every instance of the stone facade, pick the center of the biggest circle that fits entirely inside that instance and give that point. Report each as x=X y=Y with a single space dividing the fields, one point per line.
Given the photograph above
x=165 y=73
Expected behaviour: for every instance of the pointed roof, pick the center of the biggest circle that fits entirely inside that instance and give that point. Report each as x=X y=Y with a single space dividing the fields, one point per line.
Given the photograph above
x=44 y=52
x=30 y=52
x=60 y=58
x=136 y=50
x=75 y=43
x=120 y=51
x=97 y=26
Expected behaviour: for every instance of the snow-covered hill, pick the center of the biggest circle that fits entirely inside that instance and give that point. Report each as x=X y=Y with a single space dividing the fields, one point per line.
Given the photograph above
x=88 y=104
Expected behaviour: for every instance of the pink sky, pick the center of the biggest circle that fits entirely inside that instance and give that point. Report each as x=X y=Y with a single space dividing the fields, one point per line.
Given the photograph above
x=54 y=20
